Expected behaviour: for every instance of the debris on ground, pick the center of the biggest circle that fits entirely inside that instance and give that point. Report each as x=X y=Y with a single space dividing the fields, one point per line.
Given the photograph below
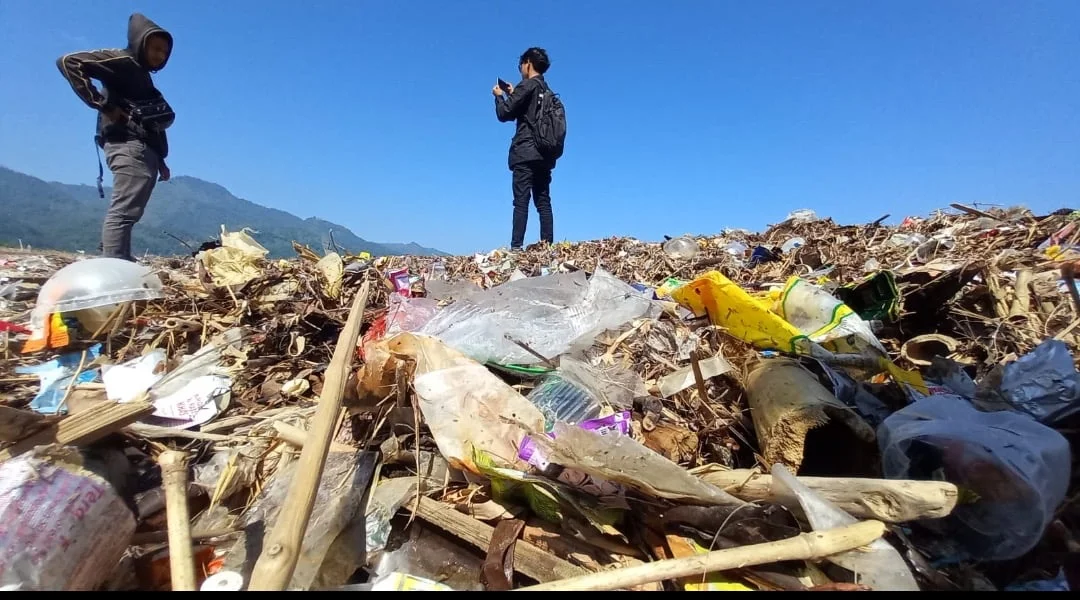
x=814 y=407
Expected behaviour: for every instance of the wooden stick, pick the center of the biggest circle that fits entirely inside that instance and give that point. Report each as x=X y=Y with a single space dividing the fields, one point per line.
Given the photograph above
x=85 y=427
x=528 y=559
x=281 y=550
x=1022 y=298
x=806 y=546
x=174 y=480
x=891 y=501
x=294 y=436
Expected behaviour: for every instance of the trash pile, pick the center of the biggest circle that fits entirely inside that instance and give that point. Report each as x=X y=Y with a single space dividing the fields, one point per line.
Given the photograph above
x=814 y=407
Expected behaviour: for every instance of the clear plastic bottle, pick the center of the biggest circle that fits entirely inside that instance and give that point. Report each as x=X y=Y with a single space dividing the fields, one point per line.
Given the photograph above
x=562 y=400
x=438 y=271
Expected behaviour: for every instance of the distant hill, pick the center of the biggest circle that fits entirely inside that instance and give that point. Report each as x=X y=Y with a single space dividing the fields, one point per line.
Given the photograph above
x=68 y=217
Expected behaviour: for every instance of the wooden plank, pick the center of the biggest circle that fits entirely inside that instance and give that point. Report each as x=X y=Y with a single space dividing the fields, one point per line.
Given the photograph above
x=83 y=428
x=892 y=501
x=528 y=559
x=281 y=549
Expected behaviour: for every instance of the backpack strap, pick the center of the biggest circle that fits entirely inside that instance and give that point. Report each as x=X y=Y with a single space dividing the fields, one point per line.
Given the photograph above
x=100 y=171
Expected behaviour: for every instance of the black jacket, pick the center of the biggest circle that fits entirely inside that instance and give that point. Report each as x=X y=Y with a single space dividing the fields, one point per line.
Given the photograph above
x=124 y=77
x=521 y=105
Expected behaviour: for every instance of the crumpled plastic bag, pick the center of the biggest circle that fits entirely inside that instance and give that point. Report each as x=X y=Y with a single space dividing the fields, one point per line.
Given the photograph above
x=465 y=405
x=1043 y=383
x=236 y=262
x=880 y=566
x=551 y=314
x=1018 y=468
x=621 y=459
x=56 y=376
x=332 y=269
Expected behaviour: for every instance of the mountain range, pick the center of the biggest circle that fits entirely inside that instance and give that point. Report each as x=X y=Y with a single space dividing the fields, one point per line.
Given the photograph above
x=62 y=216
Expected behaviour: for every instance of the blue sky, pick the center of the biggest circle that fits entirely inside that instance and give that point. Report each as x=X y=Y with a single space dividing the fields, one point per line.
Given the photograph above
x=683 y=116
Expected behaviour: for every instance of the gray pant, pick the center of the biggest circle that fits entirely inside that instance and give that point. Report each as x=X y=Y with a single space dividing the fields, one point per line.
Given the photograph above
x=134 y=166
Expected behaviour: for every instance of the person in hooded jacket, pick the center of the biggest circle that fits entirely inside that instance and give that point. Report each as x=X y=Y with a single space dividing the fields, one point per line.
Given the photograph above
x=132 y=119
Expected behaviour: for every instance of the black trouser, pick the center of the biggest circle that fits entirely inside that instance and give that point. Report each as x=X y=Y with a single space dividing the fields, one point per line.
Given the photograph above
x=534 y=177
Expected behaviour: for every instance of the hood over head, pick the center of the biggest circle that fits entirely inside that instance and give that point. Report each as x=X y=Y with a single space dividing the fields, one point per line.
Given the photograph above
x=140 y=28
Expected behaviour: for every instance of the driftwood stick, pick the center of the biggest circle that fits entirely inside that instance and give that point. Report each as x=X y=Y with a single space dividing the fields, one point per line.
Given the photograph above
x=281 y=550
x=891 y=501
x=1022 y=298
x=294 y=436
x=806 y=546
x=174 y=480
x=528 y=559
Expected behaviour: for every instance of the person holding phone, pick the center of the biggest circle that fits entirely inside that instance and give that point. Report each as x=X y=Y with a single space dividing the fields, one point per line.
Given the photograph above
x=531 y=170
x=131 y=122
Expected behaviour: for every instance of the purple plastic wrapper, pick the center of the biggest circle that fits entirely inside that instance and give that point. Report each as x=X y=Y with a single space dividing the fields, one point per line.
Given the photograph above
x=618 y=423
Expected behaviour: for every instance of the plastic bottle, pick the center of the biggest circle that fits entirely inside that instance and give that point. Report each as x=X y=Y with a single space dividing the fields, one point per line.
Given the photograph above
x=681 y=248
x=562 y=400
x=438 y=270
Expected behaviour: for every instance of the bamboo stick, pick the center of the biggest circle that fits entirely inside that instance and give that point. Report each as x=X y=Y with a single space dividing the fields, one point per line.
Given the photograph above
x=174 y=480
x=281 y=550
x=806 y=546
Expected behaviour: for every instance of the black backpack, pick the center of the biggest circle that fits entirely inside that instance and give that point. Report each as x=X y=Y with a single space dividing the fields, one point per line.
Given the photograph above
x=549 y=131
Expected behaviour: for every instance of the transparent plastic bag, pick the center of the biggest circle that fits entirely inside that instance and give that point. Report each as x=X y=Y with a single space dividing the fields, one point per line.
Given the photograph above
x=551 y=314
x=464 y=404
x=1018 y=469
x=621 y=459
x=93 y=283
x=880 y=566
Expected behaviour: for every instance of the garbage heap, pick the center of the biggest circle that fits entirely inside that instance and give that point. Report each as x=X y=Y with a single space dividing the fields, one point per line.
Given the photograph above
x=815 y=407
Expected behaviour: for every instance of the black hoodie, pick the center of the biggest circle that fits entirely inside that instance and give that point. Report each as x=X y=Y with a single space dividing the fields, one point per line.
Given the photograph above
x=124 y=77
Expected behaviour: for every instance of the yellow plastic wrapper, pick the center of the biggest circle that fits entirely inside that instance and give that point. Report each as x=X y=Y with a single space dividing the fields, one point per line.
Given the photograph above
x=729 y=306
x=236 y=262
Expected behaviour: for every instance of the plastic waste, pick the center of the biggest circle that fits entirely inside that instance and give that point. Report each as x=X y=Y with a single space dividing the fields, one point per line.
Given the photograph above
x=1043 y=383
x=871 y=265
x=332 y=269
x=928 y=250
x=907 y=239
x=198 y=389
x=736 y=248
x=615 y=424
x=62 y=527
x=793 y=243
x=1018 y=469
x=1059 y=583
x=438 y=271
x=740 y=314
x=682 y=248
x=551 y=315
x=125 y=382
x=56 y=376
x=761 y=255
x=878 y=566
x=409 y=314
x=465 y=405
x=802 y=215
x=93 y=283
x=621 y=459
x=853 y=394
x=339 y=501
x=825 y=319
x=236 y=262
x=679 y=380
x=401 y=282
x=561 y=399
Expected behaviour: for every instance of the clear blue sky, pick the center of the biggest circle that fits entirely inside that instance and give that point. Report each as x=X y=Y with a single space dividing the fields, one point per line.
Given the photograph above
x=683 y=116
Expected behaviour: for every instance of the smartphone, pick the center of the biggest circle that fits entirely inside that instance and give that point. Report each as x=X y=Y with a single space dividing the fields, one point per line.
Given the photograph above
x=505 y=86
